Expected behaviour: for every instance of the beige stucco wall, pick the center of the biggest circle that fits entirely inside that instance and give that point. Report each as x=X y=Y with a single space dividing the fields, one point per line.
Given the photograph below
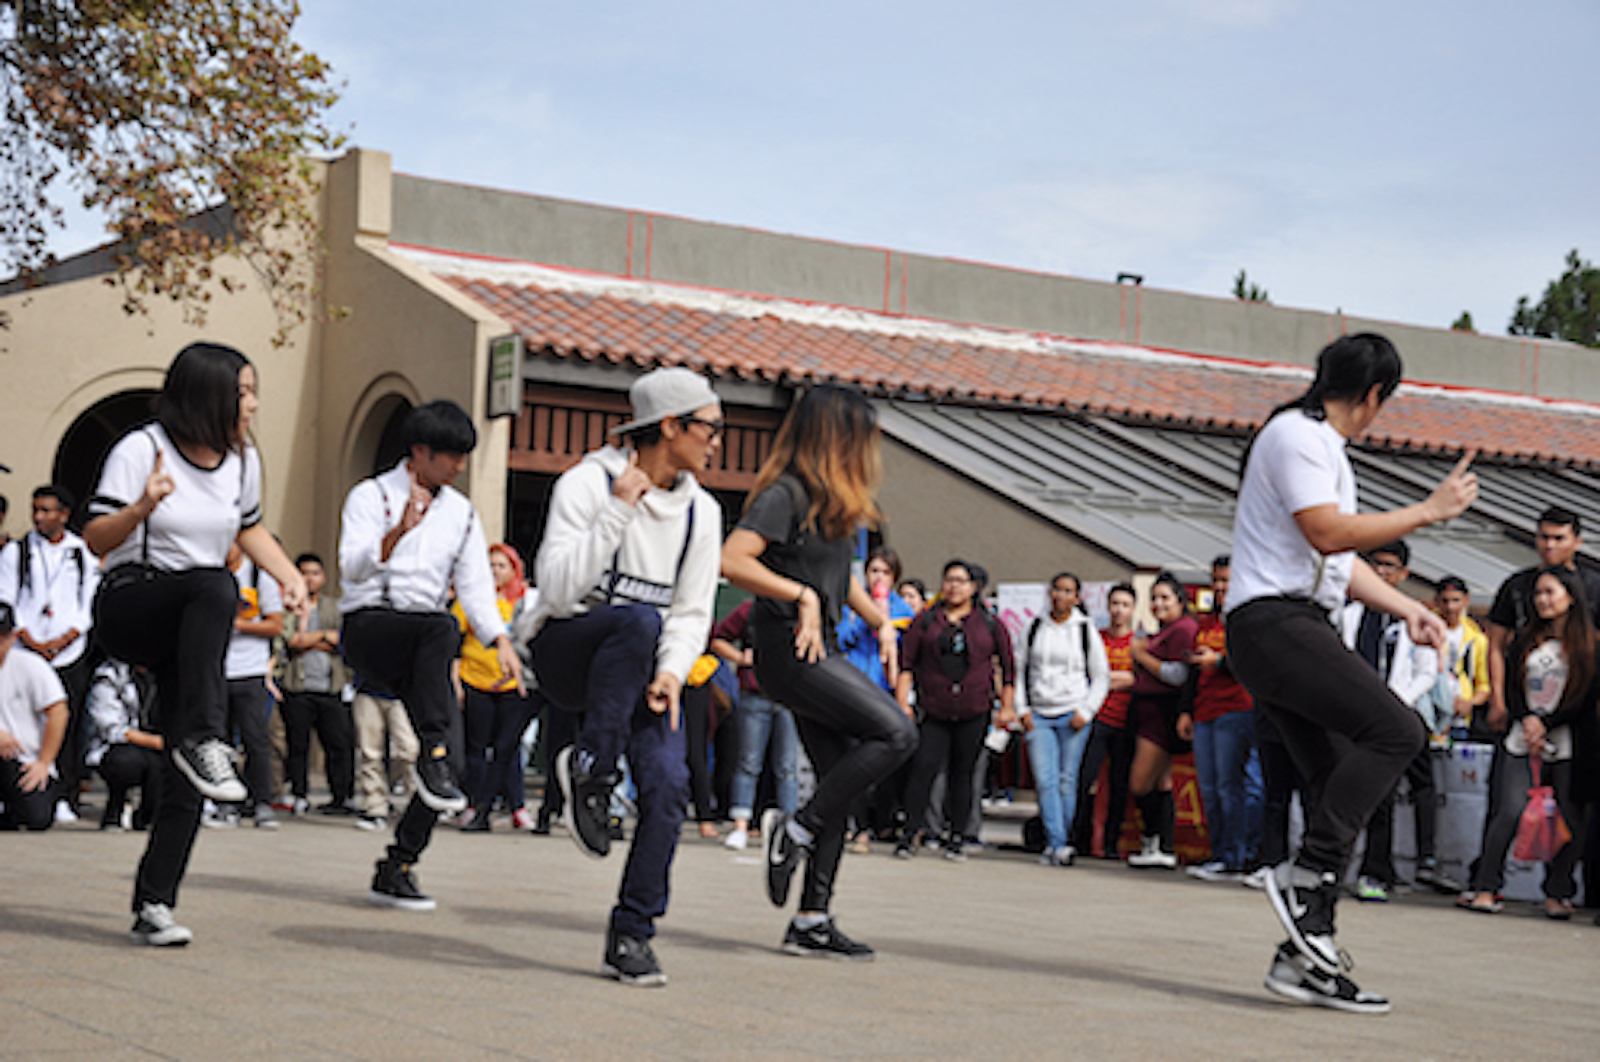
x=933 y=514
x=71 y=345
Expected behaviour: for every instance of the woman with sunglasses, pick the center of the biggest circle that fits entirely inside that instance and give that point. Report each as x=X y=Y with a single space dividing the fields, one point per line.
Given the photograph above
x=792 y=549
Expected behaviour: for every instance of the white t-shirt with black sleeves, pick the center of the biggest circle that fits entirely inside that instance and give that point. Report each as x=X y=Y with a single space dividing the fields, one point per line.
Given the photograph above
x=1297 y=463
x=195 y=524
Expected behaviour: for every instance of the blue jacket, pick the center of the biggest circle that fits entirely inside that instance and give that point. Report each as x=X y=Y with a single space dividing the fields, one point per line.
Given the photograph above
x=861 y=647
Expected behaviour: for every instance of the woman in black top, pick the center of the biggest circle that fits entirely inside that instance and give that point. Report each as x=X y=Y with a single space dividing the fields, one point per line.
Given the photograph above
x=792 y=550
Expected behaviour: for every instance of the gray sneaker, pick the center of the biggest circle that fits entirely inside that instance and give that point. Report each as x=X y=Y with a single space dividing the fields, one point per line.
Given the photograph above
x=266 y=818
x=156 y=927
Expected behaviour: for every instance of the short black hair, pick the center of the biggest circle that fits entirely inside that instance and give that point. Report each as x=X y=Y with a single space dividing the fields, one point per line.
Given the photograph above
x=980 y=576
x=309 y=558
x=1562 y=518
x=644 y=435
x=1398 y=548
x=441 y=426
x=5 y=506
x=916 y=584
x=199 y=402
x=1077 y=584
x=1222 y=560
x=1123 y=588
x=62 y=495
x=1453 y=582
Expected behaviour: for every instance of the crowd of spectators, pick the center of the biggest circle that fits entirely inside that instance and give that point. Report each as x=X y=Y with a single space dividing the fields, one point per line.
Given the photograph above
x=1104 y=713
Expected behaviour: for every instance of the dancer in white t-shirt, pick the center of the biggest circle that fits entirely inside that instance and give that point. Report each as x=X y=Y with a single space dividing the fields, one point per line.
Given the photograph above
x=1296 y=536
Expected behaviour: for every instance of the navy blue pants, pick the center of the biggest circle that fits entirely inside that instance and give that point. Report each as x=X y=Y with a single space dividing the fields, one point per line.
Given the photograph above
x=599 y=664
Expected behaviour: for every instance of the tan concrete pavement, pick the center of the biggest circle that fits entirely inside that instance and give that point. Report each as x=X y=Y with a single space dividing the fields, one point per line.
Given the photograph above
x=997 y=958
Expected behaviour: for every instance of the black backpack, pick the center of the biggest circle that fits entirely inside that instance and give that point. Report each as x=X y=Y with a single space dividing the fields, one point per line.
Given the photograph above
x=1033 y=632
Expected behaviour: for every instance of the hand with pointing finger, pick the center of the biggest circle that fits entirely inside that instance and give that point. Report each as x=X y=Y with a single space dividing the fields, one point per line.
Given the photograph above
x=1455 y=492
x=157 y=486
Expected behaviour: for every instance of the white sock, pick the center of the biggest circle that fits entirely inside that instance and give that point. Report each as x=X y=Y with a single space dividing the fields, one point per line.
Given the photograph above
x=800 y=835
x=804 y=922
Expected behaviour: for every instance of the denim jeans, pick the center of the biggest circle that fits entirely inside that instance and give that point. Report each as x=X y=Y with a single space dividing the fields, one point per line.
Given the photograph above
x=1230 y=786
x=1055 y=750
x=760 y=721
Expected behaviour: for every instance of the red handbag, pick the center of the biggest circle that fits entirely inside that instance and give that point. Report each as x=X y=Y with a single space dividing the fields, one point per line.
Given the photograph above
x=1541 y=832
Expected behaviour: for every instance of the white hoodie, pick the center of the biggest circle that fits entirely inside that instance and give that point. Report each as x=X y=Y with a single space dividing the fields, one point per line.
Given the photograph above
x=658 y=557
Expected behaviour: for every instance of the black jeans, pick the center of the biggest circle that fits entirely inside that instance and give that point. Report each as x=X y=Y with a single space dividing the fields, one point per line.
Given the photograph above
x=697 y=732
x=854 y=733
x=248 y=708
x=409 y=655
x=1105 y=741
x=1349 y=735
x=177 y=624
x=126 y=767
x=494 y=726
x=1280 y=780
x=1377 y=861
x=330 y=717
x=952 y=746
x=32 y=811
x=599 y=664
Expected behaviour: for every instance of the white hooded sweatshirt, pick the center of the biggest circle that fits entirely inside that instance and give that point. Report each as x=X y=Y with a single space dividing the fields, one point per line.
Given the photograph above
x=598 y=549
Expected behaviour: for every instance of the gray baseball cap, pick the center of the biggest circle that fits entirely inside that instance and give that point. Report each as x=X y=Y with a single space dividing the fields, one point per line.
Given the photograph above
x=665 y=393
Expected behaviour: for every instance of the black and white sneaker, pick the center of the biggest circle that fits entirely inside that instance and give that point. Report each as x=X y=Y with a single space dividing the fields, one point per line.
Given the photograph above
x=826 y=942
x=783 y=855
x=631 y=961
x=393 y=885
x=436 y=782
x=586 y=804
x=1303 y=900
x=1430 y=875
x=209 y=767
x=155 y=926
x=1293 y=976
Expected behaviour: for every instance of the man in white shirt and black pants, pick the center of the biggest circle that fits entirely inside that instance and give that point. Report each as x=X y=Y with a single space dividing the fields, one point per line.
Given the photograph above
x=405 y=538
x=49 y=577
x=627 y=579
x=33 y=721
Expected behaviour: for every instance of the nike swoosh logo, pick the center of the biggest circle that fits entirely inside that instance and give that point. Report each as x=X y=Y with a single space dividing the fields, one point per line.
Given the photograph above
x=774 y=857
x=1298 y=910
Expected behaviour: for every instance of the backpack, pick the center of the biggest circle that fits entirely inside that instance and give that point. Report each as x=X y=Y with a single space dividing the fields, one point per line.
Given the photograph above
x=1033 y=633
x=25 y=565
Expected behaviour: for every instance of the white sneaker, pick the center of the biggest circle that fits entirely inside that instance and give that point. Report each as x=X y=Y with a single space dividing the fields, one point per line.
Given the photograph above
x=1151 y=856
x=738 y=840
x=1256 y=879
x=155 y=926
x=1064 y=856
x=64 y=812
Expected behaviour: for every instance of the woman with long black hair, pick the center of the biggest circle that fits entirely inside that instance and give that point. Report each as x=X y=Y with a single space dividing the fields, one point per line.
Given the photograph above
x=1552 y=685
x=172 y=498
x=792 y=550
x=1160 y=670
x=1297 y=532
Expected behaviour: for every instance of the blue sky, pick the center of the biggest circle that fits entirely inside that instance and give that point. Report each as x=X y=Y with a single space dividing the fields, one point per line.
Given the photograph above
x=1404 y=161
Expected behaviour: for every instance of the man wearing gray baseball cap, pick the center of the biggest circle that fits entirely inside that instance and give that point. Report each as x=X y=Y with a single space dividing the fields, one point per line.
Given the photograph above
x=627 y=578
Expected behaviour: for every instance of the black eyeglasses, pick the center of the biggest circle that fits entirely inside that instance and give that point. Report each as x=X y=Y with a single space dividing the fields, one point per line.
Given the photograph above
x=717 y=426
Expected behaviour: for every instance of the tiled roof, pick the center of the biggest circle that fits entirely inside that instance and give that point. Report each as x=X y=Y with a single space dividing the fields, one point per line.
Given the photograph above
x=591 y=318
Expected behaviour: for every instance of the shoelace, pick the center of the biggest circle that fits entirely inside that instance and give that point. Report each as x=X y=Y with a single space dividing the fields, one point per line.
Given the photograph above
x=214 y=758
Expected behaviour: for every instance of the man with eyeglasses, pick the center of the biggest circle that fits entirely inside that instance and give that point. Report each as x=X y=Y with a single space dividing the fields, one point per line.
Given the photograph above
x=627 y=576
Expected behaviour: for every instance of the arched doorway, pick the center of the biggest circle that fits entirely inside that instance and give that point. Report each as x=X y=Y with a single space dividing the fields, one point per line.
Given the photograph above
x=377 y=446
x=84 y=446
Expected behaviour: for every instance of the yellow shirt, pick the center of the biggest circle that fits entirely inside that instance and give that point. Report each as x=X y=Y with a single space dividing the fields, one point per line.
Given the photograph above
x=480 y=665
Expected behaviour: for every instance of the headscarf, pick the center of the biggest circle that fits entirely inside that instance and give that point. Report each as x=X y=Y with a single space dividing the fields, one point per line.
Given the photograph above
x=517 y=586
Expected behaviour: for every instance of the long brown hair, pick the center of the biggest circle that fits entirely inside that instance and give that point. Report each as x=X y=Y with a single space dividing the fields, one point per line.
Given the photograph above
x=829 y=441
x=1577 y=638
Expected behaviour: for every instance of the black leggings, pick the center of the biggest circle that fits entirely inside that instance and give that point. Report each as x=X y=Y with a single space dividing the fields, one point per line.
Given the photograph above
x=177 y=624
x=1349 y=735
x=494 y=726
x=952 y=746
x=854 y=733
x=1117 y=743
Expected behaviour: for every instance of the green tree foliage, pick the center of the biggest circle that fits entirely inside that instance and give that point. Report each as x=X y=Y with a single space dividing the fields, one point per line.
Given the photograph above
x=1464 y=322
x=1245 y=291
x=1570 y=308
x=186 y=122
